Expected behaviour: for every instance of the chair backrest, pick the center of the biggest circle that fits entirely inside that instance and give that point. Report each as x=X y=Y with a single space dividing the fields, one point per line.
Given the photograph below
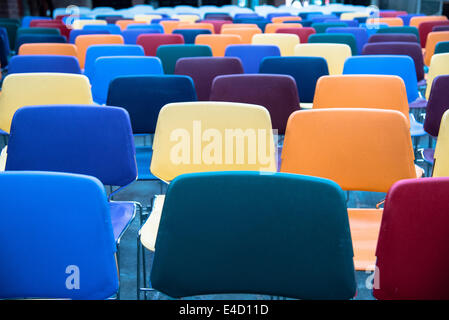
x=416 y=21
x=390 y=21
x=189 y=35
x=151 y=28
x=38 y=38
x=442 y=47
x=302 y=33
x=27 y=89
x=151 y=42
x=84 y=139
x=218 y=42
x=427 y=27
x=177 y=147
x=44 y=63
x=296 y=271
x=277 y=93
x=169 y=25
x=360 y=34
x=437 y=105
x=80 y=23
x=285 y=42
x=130 y=35
x=203 y=70
x=83 y=42
x=273 y=27
x=143 y=97
x=393 y=37
x=440 y=28
x=169 y=54
x=412 y=241
x=360 y=149
x=108 y=68
x=111 y=28
x=432 y=40
x=342 y=38
x=60 y=49
x=402 y=66
x=68 y=249
x=441 y=156
x=305 y=70
x=362 y=91
x=334 y=53
x=413 y=50
x=405 y=29
x=42 y=31
x=11 y=29
x=199 y=25
x=321 y=27
x=252 y=55
x=439 y=65
x=246 y=34
x=76 y=33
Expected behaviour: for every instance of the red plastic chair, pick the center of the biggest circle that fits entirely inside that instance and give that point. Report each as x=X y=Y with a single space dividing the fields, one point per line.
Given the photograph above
x=302 y=33
x=150 y=42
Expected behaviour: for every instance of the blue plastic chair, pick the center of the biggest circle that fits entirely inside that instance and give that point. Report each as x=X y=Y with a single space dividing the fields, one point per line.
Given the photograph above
x=108 y=68
x=373 y=29
x=157 y=28
x=44 y=63
x=112 y=28
x=38 y=38
x=103 y=50
x=305 y=70
x=304 y=257
x=130 y=35
x=190 y=34
x=4 y=51
x=79 y=32
x=252 y=55
x=143 y=97
x=360 y=34
x=406 y=18
x=51 y=238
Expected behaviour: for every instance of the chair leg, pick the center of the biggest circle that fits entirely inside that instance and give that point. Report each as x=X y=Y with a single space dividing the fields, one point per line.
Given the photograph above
x=118 y=269
x=138 y=267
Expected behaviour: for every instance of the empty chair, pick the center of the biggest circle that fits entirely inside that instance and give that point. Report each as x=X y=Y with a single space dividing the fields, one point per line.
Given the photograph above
x=393 y=37
x=300 y=270
x=203 y=71
x=360 y=34
x=37 y=38
x=360 y=149
x=107 y=68
x=218 y=42
x=432 y=40
x=80 y=23
x=425 y=28
x=111 y=28
x=44 y=63
x=75 y=33
x=442 y=47
x=277 y=93
x=202 y=25
x=246 y=34
x=413 y=241
x=170 y=25
x=189 y=35
x=334 y=53
x=342 y=38
x=130 y=35
x=252 y=55
x=11 y=30
x=77 y=240
x=321 y=27
x=302 y=33
x=305 y=70
x=41 y=31
x=151 y=42
x=439 y=65
x=107 y=50
x=60 y=49
x=85 y=41
x=441 y=162
x=391 y=21
x=27 y=89
x=57 y=25
x=405 y=29
x=285 y=42
x=272 y=27
x=217 y=24
x=151 y=28
x=417 y=20
x=169 y=54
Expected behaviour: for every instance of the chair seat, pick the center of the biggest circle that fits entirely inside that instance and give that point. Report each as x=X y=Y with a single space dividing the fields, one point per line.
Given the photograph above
x=143 y=158
x=365 y=226
x=419 y=103
x=122 y=214
x=428 y=155
x=148 y=232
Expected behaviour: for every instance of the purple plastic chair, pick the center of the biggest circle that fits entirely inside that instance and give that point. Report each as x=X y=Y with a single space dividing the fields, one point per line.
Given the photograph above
x=411 y=49
x=277 y=93
x=440 y=28
x=393 y=37
x=203 y=70
x=360 y=34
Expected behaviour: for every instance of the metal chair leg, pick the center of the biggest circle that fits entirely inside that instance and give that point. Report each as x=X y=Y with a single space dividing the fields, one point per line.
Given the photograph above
x=118 y=269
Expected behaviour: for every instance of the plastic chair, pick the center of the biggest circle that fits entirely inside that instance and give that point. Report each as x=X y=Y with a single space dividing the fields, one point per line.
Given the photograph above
x=203 y=70
x=60 y=49
x=63 y=29
x=169 y=54
x=297 y=270
x=417 y=20
x=27 y=19
x=285 y=42
x=252 y=55
x=440 y=28
x=75 y=33
x=439 y=65
x=239 y=26
x=11 y=29
x=107 y=68
x=321 y=27
x=305 y=70
x=202 y=25
x=282 y=19
x=85 y=41
x=395 y=30
x=151 y=42
x=153 y=28
x=36 y=38
x=341 y=38
x=217 y=24
x=360 y=149
x=392 y=37
x=442 y=47
x=189 y=35
x=246 y=34
x=432 y=40
x=427 y=27
x=104 y=50
x=4 y=51
x=334 y=53
x=218 y=42
x=80 y=23
x=38 y=30
x=169 y=26
x=76 y=241
x=360 y=34
x=412 y=237
x=441 y=162
x=130 y=35
x=111 y=28
x=302 y=33
x=273 y=27
x=277 y=93
x=391 y=22
x=27 y=89
x=44 y=63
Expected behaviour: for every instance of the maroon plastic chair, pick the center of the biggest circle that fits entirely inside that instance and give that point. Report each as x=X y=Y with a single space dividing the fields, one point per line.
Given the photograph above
x=413 y=246
x=56 y=24
x=302 y=33
x=277 y=93
x=393 y=37
x=203 y=70
x=150 y=42
x=440 y=28
x=391 y=14
x=426 y=27
x=411 y=49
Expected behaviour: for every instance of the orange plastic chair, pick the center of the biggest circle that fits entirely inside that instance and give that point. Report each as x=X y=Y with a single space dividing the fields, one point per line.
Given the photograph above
x=84 y=41
x=246 y=34
x=169 y=25
x=416 y=21
x=239 y=25
x=360 y=149
x=282 y=19
x=62 y=49
x=199 y=25
x=123 y=24
x=432 y=40
x=218 y=42
x=362 y=91
x=272 y=27
x=391 y=22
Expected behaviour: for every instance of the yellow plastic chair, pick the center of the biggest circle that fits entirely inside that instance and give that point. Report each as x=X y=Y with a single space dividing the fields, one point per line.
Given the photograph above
x=30 y=89
x=273 y=27
x=186 y=17
x=199 y=25
x=441 y=165
x=207 y=136
x=146 y=17
x=432 y=40
x=352 y=15
x=246 y=34
x=79 y=24
x=416 y=21
x=85 y=41
x=334 y=53
x=218 y=42
x=285 y=42
x=439 y=65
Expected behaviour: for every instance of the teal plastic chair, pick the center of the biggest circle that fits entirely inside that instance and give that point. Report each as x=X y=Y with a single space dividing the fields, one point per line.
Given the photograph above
x=169 y=54
x=321 y=27
x=344 y=38
x=11 y=29
x=442 y=47
x=38 y=30
x=282 y=239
